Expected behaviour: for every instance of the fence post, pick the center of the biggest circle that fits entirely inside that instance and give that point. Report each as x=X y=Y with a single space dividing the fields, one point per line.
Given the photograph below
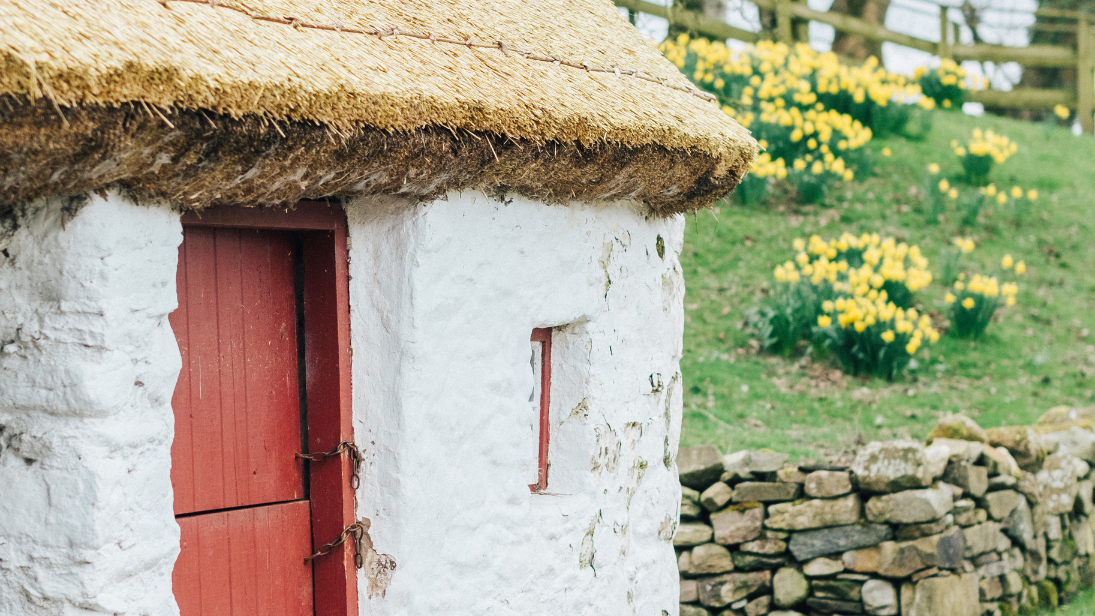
x=783 y=22
x=944 y=34
x=800 y=28
x=1085 y=67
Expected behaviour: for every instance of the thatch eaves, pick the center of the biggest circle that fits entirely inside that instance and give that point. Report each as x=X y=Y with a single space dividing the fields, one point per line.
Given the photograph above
x=270 y=101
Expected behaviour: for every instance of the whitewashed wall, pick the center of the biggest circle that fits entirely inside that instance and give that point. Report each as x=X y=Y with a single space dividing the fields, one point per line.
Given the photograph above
x=443 y=299
x=88 y=364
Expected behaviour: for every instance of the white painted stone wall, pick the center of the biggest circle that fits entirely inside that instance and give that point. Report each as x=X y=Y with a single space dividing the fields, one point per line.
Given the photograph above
x=444 y=297
x=88 y=364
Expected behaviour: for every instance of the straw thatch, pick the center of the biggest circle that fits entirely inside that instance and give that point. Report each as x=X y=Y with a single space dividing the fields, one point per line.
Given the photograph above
x=275 y=100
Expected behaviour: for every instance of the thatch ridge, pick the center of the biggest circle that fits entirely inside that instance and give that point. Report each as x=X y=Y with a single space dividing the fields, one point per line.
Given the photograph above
x=181 y=57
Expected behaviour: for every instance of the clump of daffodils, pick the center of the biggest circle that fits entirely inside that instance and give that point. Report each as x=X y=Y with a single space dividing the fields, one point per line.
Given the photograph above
x=874 y=336
x=944 y=86
x=870 y=263
x=812 y=114
x=974 y=301
x=852 y=296
x=981 y=152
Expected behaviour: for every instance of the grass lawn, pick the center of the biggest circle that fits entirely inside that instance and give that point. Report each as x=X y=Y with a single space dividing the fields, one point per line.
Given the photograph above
x=1038 y=354
x=1082 y=605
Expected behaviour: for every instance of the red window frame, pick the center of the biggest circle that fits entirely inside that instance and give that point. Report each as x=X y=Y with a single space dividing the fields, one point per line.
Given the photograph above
x=543 y=336
x=327 y=361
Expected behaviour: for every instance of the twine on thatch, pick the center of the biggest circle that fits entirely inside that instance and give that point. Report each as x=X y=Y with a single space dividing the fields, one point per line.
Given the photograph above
x=500 y=45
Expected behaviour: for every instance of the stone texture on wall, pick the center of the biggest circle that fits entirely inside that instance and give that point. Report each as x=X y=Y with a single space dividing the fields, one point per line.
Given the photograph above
x=443 y=298
x=88 y=364
x=973 y=523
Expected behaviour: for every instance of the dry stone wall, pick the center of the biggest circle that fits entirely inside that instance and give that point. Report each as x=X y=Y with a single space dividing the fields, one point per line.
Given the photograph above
x=974 y=523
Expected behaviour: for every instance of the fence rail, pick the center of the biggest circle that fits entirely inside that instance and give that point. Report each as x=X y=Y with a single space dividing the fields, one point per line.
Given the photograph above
x=1081 y=57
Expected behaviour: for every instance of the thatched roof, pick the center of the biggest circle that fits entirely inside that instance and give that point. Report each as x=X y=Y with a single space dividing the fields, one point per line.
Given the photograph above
x=559 y=99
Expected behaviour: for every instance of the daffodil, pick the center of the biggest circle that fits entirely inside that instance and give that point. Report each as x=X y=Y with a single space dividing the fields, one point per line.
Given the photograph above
x=1007 y=262
x=968 y=303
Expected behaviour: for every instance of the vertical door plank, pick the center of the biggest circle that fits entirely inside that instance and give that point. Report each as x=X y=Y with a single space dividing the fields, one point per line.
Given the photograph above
x=330 y=418
x=186 y=577
x=252 y=562
x=244 y=568
x=214 y=573
x=182 y=454
x=272 y=380
x=205 y=395
x=231 y=364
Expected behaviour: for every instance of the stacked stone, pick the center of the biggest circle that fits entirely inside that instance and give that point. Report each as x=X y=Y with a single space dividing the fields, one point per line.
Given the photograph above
x=996 y=522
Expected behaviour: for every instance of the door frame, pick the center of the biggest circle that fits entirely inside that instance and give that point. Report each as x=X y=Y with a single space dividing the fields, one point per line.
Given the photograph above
x=327 y=374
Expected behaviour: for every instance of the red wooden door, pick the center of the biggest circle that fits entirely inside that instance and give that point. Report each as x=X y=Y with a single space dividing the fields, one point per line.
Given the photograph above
x=240 y=498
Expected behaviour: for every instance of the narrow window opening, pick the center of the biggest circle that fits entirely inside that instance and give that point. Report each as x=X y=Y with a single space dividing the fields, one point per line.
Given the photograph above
x=541 y=368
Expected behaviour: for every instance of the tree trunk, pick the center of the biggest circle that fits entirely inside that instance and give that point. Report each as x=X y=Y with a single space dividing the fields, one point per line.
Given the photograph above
x=853 y=45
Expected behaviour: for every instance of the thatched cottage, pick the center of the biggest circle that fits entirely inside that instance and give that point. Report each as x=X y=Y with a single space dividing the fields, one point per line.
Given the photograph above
x=340 y=307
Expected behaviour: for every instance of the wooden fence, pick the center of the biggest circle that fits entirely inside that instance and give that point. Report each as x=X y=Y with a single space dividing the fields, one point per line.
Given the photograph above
x=1082 y=57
